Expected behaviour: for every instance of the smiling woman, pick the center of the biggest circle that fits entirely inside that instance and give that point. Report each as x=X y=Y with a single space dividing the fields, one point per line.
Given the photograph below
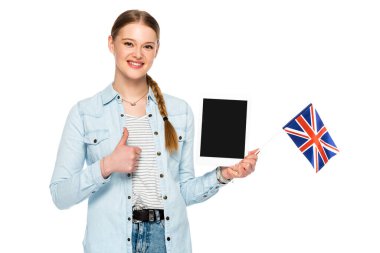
x=138 y=146
x=135 y=45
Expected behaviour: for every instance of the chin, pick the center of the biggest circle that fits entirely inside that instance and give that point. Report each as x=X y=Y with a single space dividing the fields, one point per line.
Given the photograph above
x=132 y=74
x=135 y=76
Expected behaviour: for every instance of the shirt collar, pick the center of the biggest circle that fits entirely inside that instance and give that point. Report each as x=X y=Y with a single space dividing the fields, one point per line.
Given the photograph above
x=109 y=93
x=151 y=95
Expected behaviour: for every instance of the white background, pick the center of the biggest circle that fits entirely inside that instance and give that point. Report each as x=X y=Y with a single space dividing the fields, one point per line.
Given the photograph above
x=282 y=55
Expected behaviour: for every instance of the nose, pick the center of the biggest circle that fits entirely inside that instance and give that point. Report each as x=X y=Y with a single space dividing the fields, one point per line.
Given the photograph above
x=138 y=53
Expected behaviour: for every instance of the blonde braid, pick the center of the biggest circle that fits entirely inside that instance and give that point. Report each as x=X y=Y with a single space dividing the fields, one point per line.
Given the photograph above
x=171 y=139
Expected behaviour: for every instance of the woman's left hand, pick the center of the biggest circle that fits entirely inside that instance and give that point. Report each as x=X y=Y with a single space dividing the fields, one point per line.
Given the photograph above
x=243 y=168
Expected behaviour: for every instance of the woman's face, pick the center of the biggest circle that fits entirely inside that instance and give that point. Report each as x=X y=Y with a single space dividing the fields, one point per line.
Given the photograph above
x=134 y=48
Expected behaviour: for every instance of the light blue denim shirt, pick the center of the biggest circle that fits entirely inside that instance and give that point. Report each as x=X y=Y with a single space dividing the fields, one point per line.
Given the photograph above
x=93 y=128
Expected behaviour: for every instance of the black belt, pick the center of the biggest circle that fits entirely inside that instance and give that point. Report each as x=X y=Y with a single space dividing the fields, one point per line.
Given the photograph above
x=148 y=214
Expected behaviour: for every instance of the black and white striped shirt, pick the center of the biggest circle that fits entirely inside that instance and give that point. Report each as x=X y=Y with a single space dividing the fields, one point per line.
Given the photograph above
x=145 y=180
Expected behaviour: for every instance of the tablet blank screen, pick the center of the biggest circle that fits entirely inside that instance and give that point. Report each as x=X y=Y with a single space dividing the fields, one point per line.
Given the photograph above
x=223 y=128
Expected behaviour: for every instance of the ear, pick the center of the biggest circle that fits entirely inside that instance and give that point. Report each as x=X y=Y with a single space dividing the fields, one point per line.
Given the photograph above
x=158 y=47
x=111 y=45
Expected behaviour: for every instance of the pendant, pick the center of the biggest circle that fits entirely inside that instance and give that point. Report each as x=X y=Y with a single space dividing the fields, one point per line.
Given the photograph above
x=133 y=104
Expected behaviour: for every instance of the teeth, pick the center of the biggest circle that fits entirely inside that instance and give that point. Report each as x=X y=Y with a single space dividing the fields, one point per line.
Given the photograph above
x=135 y=63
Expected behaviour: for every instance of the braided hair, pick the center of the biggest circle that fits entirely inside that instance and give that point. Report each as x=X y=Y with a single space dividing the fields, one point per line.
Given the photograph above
x=171 y=140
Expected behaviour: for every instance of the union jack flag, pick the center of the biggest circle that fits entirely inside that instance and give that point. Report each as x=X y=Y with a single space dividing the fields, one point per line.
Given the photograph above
x=311 y=137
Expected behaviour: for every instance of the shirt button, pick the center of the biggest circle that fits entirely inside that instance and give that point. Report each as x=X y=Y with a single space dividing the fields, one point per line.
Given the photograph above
x=129 y=197
x=165 y=197
x=118 y=97
x=158 y=153
x=150 y=115
x=129 y=239
x=95 y=140
x=129 y=175
x=205 y=196
x=161 y=175
x=167 y=218
x=168 y=238
x=155 y=133
x=122 y=115
x=180 y=138
x=129 y=218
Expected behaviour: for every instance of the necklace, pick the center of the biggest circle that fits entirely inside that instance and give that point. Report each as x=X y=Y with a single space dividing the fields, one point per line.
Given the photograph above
x=133 y=103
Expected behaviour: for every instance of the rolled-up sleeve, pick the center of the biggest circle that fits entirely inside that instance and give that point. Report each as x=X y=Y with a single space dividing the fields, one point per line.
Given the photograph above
x=71 y=183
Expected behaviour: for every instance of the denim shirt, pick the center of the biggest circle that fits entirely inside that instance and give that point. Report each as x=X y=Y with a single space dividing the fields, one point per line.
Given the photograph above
x=93 y=128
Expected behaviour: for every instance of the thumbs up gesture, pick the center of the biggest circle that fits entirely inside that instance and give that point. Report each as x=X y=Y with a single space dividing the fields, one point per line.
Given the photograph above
x=123 y=159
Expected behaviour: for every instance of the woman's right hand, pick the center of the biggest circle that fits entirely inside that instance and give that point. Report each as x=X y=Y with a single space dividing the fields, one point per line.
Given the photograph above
x=123 y=159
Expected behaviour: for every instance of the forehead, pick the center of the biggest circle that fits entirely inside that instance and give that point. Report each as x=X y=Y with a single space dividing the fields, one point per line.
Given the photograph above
x=138 y=32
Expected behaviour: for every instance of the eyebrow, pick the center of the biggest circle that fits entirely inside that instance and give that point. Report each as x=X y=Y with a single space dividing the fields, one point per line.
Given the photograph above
x=135 y=40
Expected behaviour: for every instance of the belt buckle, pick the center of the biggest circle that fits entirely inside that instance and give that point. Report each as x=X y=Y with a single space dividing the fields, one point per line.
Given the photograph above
x=151 y=215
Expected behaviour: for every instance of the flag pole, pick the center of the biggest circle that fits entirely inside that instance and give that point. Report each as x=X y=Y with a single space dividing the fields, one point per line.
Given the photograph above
x=269 y=140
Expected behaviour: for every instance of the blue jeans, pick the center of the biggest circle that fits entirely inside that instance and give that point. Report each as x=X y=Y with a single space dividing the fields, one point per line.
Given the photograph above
x=148 y=237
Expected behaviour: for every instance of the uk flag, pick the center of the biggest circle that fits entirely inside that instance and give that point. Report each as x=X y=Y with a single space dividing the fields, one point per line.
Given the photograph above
x=311 y=137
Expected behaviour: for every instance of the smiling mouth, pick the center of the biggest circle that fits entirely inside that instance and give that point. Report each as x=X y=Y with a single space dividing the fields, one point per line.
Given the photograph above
x=135 y=65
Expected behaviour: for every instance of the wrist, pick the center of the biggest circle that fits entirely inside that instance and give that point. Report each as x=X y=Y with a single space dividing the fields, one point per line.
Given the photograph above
x=104 y=167
x=220 y=177
x=224 y=173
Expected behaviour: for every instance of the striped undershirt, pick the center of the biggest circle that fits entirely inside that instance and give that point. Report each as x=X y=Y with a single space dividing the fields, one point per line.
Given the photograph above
x=145 y=180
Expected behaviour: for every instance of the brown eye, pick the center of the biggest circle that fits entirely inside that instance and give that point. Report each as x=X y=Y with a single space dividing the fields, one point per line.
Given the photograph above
x=149 y=47
x=128 y=44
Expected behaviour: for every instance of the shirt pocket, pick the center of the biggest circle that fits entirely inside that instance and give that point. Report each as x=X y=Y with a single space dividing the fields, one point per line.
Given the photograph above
x=181 y=137
x=97 y=144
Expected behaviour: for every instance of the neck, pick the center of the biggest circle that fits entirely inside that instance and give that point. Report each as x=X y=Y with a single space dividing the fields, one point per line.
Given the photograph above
x=131 y=89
